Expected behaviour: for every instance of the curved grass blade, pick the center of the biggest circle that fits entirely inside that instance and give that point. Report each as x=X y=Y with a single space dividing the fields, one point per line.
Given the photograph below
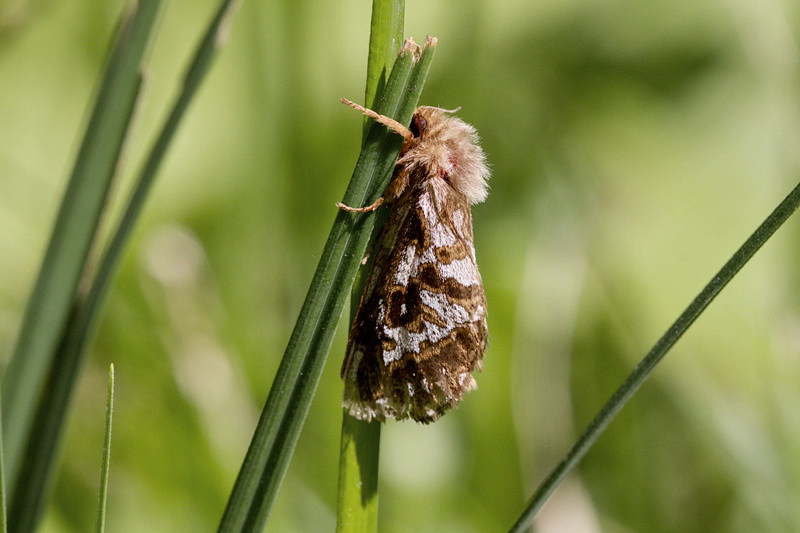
x=51 y=413
x=640 y=373
x=298 y=374
x=100 y=524
x=74 y=232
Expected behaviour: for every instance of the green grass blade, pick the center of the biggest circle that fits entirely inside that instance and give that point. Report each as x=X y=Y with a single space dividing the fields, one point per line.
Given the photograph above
x=298 y=374
x=3 y=519
x=51 y=413
x=100 y=524
x=359 y=450
x=36 y=472
x=203 y=58
x=357 y=505
x=74 y=230
x=639 y=374
x=385 y=39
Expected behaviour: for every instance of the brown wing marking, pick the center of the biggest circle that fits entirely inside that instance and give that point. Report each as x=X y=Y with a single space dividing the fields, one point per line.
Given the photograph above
x=420 y=330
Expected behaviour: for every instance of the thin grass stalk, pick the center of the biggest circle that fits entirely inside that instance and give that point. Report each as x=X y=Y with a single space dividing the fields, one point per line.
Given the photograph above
x=385 y=39
x=74 y=232
x=357 y=504
x=359 y=444
x=105 y=467
x=3 y=515
x=641 y=372
x=295 y=382
x=54 y=405
x=359 y=449
x=44 y=440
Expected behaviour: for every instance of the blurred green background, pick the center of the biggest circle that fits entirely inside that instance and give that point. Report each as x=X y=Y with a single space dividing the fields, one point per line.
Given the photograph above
x=634 y=147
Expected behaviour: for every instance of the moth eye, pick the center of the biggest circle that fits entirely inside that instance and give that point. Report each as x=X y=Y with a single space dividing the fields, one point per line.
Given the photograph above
x=418 y=125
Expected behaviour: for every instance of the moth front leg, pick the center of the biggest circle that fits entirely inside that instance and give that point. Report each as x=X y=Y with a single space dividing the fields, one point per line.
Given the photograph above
x=372 y=207
x=393 y=125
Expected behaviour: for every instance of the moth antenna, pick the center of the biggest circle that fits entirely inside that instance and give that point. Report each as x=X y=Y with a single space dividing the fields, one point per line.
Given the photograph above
x=390 y=123
x=443 y=110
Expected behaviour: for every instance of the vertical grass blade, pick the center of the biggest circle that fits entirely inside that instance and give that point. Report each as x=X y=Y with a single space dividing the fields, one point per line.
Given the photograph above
x=74 y=230
x=357 y=505
x=45 y=439
x=359 y=449
x=641 y=372
x=3 y=496
x=100 y=523
x=385 y=39
x=298 y=374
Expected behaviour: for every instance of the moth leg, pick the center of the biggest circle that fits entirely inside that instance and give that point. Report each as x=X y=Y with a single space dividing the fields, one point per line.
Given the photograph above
x=390 y=123
x=396 y=187
x=396 y=127
x=372 y=207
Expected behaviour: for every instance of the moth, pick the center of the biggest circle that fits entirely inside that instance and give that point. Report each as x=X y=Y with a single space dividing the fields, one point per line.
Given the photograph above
x=420 y=330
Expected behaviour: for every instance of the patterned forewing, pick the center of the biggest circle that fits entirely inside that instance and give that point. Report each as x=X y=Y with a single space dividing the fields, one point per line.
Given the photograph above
x=420 y=330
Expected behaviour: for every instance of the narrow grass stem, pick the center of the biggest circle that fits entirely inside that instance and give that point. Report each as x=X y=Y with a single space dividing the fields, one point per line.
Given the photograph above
x=100 y=523
x=296 y=380
x=74 y=232
x=357 y=506
x=3 y=519
x=385 y=39
x=640 y=373
x=359 y=450
x=51 y=412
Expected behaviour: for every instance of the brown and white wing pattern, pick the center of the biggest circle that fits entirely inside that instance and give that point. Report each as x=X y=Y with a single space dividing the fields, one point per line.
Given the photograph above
x=420 y=330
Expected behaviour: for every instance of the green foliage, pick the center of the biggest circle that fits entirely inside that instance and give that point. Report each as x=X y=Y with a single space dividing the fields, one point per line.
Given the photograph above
x=40 y=376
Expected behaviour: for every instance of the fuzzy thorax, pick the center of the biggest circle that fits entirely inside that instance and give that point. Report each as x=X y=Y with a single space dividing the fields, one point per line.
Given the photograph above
x=449 y=148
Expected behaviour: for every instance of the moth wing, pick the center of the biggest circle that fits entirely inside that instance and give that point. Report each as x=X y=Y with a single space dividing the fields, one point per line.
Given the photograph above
x=420 y=329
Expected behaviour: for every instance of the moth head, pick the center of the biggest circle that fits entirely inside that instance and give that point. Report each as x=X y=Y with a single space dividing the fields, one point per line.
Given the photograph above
x=450 y=148
x=418 y=125
x=422 y=120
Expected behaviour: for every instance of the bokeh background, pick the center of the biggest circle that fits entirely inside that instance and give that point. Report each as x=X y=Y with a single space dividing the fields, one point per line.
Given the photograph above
x=634 y=147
